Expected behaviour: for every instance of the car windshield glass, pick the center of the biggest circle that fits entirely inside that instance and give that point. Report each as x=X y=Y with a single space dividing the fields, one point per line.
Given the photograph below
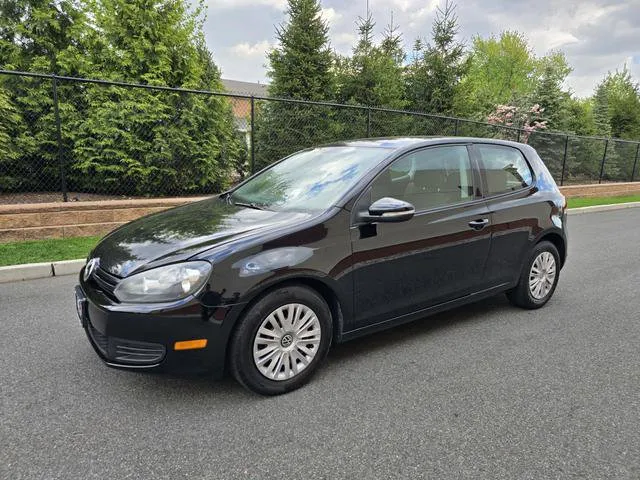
x=309 y=180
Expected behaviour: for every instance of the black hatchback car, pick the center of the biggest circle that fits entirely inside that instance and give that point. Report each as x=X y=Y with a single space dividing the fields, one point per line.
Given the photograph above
x=323 y=246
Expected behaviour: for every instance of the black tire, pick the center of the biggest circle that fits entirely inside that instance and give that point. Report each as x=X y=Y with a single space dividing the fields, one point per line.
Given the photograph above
x=241 y=360
x=521 y=295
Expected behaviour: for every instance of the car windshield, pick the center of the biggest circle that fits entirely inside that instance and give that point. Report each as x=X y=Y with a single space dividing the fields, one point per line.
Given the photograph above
x=310 y=180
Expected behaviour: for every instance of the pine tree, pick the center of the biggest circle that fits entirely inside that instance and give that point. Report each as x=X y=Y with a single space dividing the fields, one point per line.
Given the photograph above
x=299 y=68
x=373 y=74
x=392 y=43
x=435 y=73
x=549 y=92
x=601 y=114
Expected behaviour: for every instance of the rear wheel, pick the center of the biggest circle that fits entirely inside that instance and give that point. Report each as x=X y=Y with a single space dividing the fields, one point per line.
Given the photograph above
x=281 y=340
x=538 y=279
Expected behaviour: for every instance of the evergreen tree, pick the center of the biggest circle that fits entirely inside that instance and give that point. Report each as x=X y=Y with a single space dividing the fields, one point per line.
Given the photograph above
x=391 y=44
x=10 y=127
x=549 y=92
x=43 y=36
x=373 y=74
x=145 y=141
x=579 y=117
x=601 y=115
x=299 y=68
x=623 y=104
x=616 y=107
x=434 y=75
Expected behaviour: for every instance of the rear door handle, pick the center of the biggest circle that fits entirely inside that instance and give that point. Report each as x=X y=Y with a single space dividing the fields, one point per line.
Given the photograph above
x=479 y=224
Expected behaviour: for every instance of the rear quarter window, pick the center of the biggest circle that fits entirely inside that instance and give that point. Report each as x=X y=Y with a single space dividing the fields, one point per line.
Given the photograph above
x=505 y=168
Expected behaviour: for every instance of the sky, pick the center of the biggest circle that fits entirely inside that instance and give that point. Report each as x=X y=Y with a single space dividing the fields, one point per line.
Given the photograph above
x=597 y=36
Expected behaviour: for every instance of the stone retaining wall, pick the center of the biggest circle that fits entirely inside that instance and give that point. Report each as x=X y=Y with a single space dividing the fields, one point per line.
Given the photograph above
x=75 y=219
x=36 y=221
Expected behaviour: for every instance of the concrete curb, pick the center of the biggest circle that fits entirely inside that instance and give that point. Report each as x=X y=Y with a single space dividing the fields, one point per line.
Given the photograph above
x=602 y=208
x=30 y=271
x=67 y=267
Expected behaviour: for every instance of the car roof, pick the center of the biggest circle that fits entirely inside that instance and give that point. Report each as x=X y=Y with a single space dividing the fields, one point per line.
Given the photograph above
x=403 y=143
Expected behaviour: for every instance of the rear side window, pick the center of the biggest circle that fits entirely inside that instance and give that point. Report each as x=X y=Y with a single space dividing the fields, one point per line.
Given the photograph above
x=505 y=168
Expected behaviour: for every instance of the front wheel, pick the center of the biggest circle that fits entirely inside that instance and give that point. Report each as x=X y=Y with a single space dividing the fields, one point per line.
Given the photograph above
x=281 y=340
x=539 y=277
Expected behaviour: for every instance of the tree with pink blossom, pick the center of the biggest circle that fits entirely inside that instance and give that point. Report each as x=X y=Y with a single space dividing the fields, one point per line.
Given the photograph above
x=527 y=119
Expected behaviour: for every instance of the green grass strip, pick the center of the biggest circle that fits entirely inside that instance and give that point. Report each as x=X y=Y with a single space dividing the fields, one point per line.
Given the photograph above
x=590 y=202
x=36 y=251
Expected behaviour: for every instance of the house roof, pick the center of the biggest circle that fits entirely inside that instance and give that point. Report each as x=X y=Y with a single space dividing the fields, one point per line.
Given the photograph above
x=245 y=88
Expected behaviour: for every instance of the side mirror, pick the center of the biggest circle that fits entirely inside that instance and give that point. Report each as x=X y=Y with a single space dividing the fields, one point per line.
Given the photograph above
x=388 y=209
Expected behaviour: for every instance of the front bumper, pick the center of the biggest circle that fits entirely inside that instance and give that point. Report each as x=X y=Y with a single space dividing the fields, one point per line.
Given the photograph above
x=142 y=337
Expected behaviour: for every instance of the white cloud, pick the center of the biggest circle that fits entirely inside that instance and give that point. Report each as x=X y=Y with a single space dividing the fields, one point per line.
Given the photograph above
x=330 y=15
x=414 y=5
x=552 y=39
x=344 y=38
x=228 y=4
x=246 y=49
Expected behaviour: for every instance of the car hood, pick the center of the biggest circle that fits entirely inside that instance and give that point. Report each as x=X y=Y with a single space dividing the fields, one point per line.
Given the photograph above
x=179 y=233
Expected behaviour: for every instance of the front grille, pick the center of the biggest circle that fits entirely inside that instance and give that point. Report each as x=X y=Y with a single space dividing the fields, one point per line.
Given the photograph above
x=125 y=351
x=105 y=282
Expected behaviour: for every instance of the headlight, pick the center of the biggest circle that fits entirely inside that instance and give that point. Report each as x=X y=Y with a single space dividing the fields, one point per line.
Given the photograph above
x=164 y=284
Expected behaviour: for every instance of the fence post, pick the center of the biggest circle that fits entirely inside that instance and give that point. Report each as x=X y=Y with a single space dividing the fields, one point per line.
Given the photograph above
x=253 y=136
x=368 y=122
x=604 y=157
x=519 y=131
x=564 y=160
x=635 y=163
x=56 y=111
x=455 y=131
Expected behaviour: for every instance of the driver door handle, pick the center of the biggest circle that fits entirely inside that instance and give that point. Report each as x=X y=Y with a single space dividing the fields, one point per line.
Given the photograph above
x=479 y=224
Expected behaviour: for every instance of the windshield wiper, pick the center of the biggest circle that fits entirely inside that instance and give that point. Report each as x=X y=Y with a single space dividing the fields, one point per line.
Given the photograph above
x=250 y=205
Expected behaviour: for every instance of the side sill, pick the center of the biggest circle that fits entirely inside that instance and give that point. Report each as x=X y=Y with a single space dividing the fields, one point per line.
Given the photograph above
x=425 y=312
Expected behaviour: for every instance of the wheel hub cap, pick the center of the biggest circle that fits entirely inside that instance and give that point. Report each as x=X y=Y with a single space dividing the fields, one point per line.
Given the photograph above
x=287 y=341
x=542 y=275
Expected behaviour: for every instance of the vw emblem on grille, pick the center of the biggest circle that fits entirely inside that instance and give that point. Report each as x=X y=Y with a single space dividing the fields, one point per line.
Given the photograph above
x=90 y=267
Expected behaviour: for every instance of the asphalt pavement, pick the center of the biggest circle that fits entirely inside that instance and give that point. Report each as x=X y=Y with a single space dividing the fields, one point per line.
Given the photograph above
x=485 y=391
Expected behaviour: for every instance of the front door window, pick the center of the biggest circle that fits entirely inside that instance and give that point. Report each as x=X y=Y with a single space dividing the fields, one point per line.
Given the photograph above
x=428 y=178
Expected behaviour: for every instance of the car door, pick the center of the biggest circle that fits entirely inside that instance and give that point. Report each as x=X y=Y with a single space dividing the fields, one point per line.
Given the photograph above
x=437 y=255
x=508 y=184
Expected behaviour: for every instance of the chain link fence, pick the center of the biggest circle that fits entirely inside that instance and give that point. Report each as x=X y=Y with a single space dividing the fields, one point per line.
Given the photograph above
x=65 y=138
